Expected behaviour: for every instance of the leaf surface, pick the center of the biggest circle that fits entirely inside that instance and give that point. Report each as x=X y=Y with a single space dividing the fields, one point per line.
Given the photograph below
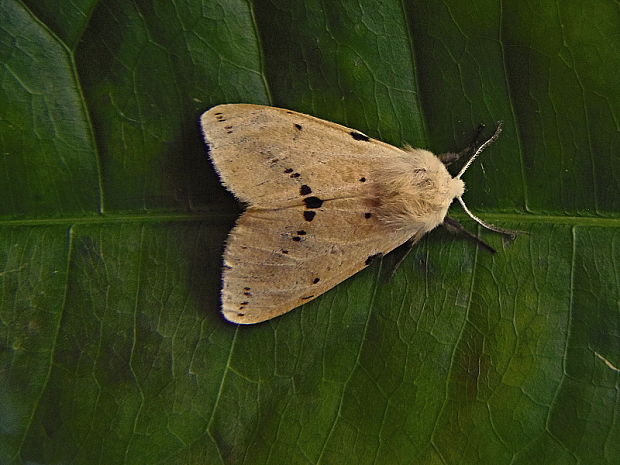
x=112 y=225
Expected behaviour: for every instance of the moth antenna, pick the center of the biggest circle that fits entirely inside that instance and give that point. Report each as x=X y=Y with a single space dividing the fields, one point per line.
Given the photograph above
x=484 y=145
x=508 y=232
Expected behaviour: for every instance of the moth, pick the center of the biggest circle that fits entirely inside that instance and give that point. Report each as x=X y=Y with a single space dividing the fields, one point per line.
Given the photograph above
x=323 y=201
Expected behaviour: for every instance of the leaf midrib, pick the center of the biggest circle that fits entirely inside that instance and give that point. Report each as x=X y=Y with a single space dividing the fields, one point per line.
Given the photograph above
x=227 y=217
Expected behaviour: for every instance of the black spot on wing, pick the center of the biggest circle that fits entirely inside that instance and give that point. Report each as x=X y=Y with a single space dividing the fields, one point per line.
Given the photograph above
x=367 y=215
x=316 y=280
x=359 y=136
x=309 y=216
x=288 y=170
x=373 y=258
x=295 y=175
x=299 y=233
x=313 y=202
x=362 y=179
x=298 y=126
x=305 y=190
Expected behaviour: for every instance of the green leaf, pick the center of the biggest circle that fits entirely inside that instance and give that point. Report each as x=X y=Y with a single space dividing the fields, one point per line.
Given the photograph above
x=112 y=224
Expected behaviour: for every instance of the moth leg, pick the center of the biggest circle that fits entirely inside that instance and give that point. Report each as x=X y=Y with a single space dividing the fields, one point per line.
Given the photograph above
x=454 y=226
x=398 y=256
x=450 y=157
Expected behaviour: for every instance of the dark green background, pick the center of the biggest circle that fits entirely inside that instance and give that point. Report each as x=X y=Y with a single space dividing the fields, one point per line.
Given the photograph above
x=112 y=224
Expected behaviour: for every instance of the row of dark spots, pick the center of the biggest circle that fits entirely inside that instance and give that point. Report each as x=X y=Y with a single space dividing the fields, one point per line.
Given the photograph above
x=247 y=293
x=367 y=215
x=220 y=117
x=306 y=190
x=297 y=238
x=314 y=281
x=313 y=202
x=290 y=170
x=310 y=202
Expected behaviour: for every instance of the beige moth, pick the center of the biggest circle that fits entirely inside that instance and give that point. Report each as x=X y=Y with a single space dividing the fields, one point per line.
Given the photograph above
x=322 y=201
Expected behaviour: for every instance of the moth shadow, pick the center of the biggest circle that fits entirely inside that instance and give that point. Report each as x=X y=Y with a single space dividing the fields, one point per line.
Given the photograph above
x=203 y=253
x=192 y=175
x=200 y=241
x=423 y=257
x=402 y=257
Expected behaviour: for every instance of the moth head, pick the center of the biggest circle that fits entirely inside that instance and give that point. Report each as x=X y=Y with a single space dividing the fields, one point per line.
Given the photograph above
x=456 y=188
x=459 y=197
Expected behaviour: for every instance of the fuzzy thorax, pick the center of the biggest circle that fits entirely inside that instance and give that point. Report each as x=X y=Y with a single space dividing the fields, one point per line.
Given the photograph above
x=415 y=191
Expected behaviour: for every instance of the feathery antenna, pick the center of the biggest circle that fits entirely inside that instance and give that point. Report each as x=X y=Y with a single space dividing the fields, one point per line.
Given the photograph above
x=508 y=232
x=484 y=145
